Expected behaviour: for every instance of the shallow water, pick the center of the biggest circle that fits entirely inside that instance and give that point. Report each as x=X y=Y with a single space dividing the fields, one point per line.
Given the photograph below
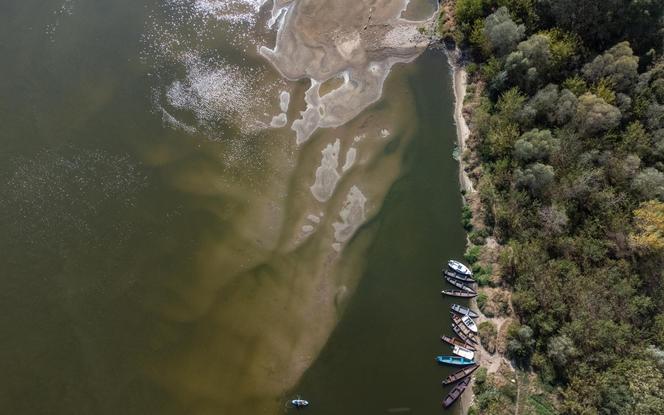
x=166 y=251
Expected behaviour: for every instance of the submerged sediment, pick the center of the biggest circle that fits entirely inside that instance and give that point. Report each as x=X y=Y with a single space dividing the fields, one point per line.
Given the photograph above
x=357 y=40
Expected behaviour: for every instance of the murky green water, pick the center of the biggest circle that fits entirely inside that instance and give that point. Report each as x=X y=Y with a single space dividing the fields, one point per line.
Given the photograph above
x=156 y=250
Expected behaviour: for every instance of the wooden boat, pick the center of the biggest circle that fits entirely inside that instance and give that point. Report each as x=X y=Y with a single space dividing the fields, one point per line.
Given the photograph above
x=456 y=342
x=454 y=394
x=463 y=352
x=464 y=311
x=463 y=336
x=454 y=360
x=459 y=293
x=459 y=277
x=468 y=322
x=459 y=284
x=462 y=327
x=459 y=268
x=456 y=376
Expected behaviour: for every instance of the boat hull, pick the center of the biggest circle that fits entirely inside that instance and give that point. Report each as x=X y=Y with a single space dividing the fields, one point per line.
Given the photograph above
x=464 y=311
x=462 y=278
x=457 y=376
x=459 y=293
x=456 y=342
x=458 y=267
x=454 y=361
x=459 y=284
x=457 y=391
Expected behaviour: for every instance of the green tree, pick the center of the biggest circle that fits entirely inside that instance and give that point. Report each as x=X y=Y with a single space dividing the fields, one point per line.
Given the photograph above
x=535 y=145
x=502 y=33
x=617 y=65
x=594 y=115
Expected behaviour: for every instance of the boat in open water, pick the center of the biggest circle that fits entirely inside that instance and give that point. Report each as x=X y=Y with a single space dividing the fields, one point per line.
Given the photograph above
x=464 y=311
x=459 y=268
x=454 y=360
x=463 y=352
x=463 y=278
x=462 y=335
x=459 y=284
x=456 y=391
x=456 y=376
x=299 y=403
x=459 y=293
x=453 y=341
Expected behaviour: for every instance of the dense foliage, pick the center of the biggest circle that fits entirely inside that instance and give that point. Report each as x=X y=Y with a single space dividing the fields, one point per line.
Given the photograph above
x=569 y=138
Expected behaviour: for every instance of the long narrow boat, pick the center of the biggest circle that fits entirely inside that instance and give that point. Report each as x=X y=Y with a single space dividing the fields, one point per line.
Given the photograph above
x=459 y=284
x=464 y=311
x=469 y=323
x=459 y=277
x=459 y=268
x=456 y=376
x=459 y=323
x=454 y=360
x=463 y=336
x=459 y=293
x=463 y=352
x=454 y=394
x=456 y=342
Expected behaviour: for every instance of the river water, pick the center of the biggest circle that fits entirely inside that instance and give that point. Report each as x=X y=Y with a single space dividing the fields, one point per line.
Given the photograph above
x=166 y=250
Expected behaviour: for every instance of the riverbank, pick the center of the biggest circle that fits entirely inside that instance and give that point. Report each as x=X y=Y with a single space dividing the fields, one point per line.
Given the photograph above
x=493 y=360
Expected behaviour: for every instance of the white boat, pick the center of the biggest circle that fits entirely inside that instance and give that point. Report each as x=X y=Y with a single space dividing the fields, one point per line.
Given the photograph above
x=463 y=352
x=458 y=267
x=469 y=323
x=299 y=403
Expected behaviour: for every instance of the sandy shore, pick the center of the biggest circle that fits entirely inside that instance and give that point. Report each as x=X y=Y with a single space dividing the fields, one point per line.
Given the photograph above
x=460 y=82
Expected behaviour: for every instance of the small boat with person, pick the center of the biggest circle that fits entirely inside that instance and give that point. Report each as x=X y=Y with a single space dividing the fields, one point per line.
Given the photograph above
x=459 y=293
x=454 y=360
x=456 y=276
x=299 y=403
x=463 y=352
x=459 y=284
x=464 y=311
x=454 y=394
x=462 y=335
x=453 y=341
x=456 y=376
x=468 y=322
x=459 y=268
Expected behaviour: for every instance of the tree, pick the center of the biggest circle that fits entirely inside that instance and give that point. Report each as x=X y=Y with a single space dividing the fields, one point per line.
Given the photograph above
x=563 y=45
x=594 y=115
x=535 y=145
x=520 y=342
x=650 y=184
x=561 y=350
x=529 y=65
x=536 y=178
x=502 y=33
x=565 y=108
x=649 y=232
x=617 y=65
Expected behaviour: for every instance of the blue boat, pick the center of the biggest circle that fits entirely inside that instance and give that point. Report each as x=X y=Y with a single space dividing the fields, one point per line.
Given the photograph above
x=454 y=360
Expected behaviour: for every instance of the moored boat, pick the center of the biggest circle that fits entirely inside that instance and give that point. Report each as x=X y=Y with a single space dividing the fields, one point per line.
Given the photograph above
x=459 y=284
x=459 y=277
x=454 y=394
x=456 y=320
x=456 y=376
x=463 y=352
x=459 y=268
x=468 y=322
x=454 y=360
x=464 y=311
x=463 y=336
x=459 y=293
x=456 y=342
